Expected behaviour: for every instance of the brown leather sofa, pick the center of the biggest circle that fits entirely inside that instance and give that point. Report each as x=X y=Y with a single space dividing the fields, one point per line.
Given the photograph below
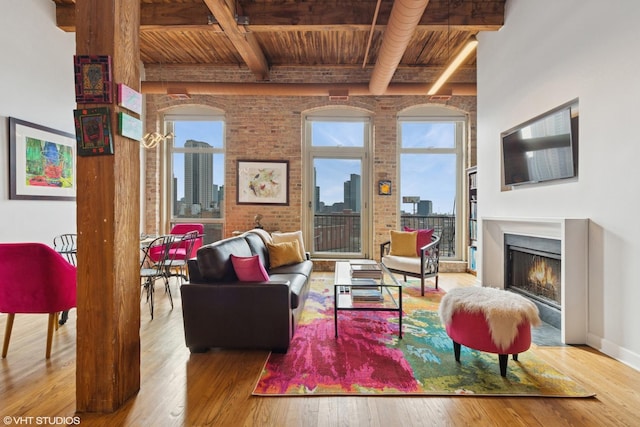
x=220 y=311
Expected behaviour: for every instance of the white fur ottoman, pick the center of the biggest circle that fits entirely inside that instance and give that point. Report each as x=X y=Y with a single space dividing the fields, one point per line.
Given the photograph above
x=489 y=319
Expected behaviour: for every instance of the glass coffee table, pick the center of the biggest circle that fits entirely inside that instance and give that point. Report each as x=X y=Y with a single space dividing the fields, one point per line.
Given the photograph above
x=383 y=293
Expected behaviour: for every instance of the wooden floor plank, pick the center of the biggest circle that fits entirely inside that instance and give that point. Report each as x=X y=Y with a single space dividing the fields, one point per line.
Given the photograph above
x=214 y=388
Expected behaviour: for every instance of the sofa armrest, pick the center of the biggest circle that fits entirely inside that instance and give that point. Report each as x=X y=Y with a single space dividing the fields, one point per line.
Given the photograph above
x=237 y=315
x=194 y=272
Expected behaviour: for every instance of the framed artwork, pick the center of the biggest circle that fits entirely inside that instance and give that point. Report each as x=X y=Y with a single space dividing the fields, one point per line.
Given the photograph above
x=384 y=187
x=93 y=79
x=263 y=182
x=42 y=162
x=93 y=131
x=129 y=98
x=129 y=126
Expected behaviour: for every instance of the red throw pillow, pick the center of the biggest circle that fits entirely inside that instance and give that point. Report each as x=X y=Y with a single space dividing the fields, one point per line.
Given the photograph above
x=424 y=237
x=249 y=269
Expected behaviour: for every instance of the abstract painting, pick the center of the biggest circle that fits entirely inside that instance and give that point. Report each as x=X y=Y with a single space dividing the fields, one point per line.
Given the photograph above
x=42 y=162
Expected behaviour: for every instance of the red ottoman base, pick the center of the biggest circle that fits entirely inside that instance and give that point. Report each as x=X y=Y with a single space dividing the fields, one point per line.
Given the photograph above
x=472 y=331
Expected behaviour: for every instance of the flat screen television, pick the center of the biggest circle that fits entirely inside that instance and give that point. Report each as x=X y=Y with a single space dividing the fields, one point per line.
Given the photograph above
x=542 y=149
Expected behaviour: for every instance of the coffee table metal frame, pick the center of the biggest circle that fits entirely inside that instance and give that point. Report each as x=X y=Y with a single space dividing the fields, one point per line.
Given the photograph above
x=343 y=300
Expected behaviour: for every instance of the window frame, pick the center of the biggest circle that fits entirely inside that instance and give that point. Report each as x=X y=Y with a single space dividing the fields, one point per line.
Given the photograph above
x=189 y=114
x=460 y=121
x=361 y=153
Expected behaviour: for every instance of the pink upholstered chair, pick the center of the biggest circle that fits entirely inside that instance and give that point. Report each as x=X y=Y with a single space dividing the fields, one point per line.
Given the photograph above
x=184 y=228
x=490 y=320
x=179 y=248
x=34 y=278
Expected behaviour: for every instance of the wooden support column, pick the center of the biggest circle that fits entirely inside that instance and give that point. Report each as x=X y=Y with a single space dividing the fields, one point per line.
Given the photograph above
x=108 y=211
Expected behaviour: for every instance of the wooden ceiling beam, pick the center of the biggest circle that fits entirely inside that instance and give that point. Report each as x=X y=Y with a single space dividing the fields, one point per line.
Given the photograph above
x=244 y=42
x=313 y=16
x=485 y=13
x=177 y=14
x=301 y=89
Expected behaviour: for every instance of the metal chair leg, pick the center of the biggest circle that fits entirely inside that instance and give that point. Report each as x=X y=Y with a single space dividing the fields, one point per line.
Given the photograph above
x=167 y=290
x=150 y=297
x=64 y=316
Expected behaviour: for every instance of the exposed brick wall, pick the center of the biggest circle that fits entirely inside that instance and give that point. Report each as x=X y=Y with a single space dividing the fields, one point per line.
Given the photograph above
x=271 y=128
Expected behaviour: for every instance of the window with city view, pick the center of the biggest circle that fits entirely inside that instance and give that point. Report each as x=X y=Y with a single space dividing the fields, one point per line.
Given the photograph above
x=430 y=168
x=197 y=179
x=337 y=155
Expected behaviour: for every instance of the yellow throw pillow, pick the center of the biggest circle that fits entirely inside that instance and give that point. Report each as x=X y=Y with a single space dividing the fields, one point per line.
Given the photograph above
x=284 y=253
x=290 y=237
x=403 y=243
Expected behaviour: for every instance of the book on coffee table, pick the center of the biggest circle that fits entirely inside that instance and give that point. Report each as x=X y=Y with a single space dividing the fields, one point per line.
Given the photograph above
x=365 y=283
x=366 y=294
x=366 y=271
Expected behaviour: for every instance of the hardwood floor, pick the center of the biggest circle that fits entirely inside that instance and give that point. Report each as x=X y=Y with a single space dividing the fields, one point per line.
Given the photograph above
x=214 y=389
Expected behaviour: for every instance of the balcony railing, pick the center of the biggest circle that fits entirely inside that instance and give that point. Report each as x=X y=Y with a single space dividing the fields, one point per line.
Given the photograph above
x=337 y=232
x=443 y=225
x=340 y=232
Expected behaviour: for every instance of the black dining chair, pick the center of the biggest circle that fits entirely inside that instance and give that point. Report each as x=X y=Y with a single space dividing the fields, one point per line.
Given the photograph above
x=152 y=270
x=67 y=246
x=182 y=250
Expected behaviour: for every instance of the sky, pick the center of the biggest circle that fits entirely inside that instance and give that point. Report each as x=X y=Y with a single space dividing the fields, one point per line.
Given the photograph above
x=203 y=131
x=331 y=173
x=428 y=177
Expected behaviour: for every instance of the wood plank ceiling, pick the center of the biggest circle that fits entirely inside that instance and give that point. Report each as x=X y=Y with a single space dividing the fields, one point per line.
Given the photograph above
x=260 y=35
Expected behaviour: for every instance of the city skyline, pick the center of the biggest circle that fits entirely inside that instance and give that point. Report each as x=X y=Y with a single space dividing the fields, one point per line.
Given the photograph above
x=436 y=174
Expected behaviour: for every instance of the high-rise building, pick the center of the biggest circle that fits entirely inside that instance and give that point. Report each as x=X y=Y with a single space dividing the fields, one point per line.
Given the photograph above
x=352 y=193
x=198 y=177
x=176 y=202
x=316 y=192
x=425 y=207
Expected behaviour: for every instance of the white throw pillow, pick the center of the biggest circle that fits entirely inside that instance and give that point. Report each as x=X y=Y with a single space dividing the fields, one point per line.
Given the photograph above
x=289 y=237
x=266 y=237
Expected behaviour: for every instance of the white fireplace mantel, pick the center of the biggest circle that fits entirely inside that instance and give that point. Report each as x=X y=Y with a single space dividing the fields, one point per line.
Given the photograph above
x=574 y=236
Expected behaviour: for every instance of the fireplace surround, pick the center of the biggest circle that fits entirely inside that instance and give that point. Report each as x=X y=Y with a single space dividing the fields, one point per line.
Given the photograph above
x=572 y=236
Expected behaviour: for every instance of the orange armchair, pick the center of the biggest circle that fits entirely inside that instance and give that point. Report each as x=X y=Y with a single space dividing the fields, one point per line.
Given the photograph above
x=34 y=279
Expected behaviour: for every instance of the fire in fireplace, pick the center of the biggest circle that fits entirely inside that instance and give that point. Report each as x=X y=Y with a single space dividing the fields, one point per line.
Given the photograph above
x=533 y=268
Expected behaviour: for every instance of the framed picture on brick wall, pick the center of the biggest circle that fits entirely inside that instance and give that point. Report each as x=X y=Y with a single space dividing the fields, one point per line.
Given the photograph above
x=263 y=182
x=384 y=187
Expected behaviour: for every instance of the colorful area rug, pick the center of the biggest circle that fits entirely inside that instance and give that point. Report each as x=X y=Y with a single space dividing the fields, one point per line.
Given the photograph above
x=368 y=358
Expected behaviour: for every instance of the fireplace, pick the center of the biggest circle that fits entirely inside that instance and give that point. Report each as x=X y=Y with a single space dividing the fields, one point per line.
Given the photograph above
x=533 y=269
x=573 y=235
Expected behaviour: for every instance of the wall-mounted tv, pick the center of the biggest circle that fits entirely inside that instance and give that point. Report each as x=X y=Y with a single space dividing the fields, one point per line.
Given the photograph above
x=542 y=149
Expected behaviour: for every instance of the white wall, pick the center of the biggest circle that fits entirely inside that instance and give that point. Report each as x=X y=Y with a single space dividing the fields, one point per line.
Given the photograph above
x=36 y=85
x=550 y=52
